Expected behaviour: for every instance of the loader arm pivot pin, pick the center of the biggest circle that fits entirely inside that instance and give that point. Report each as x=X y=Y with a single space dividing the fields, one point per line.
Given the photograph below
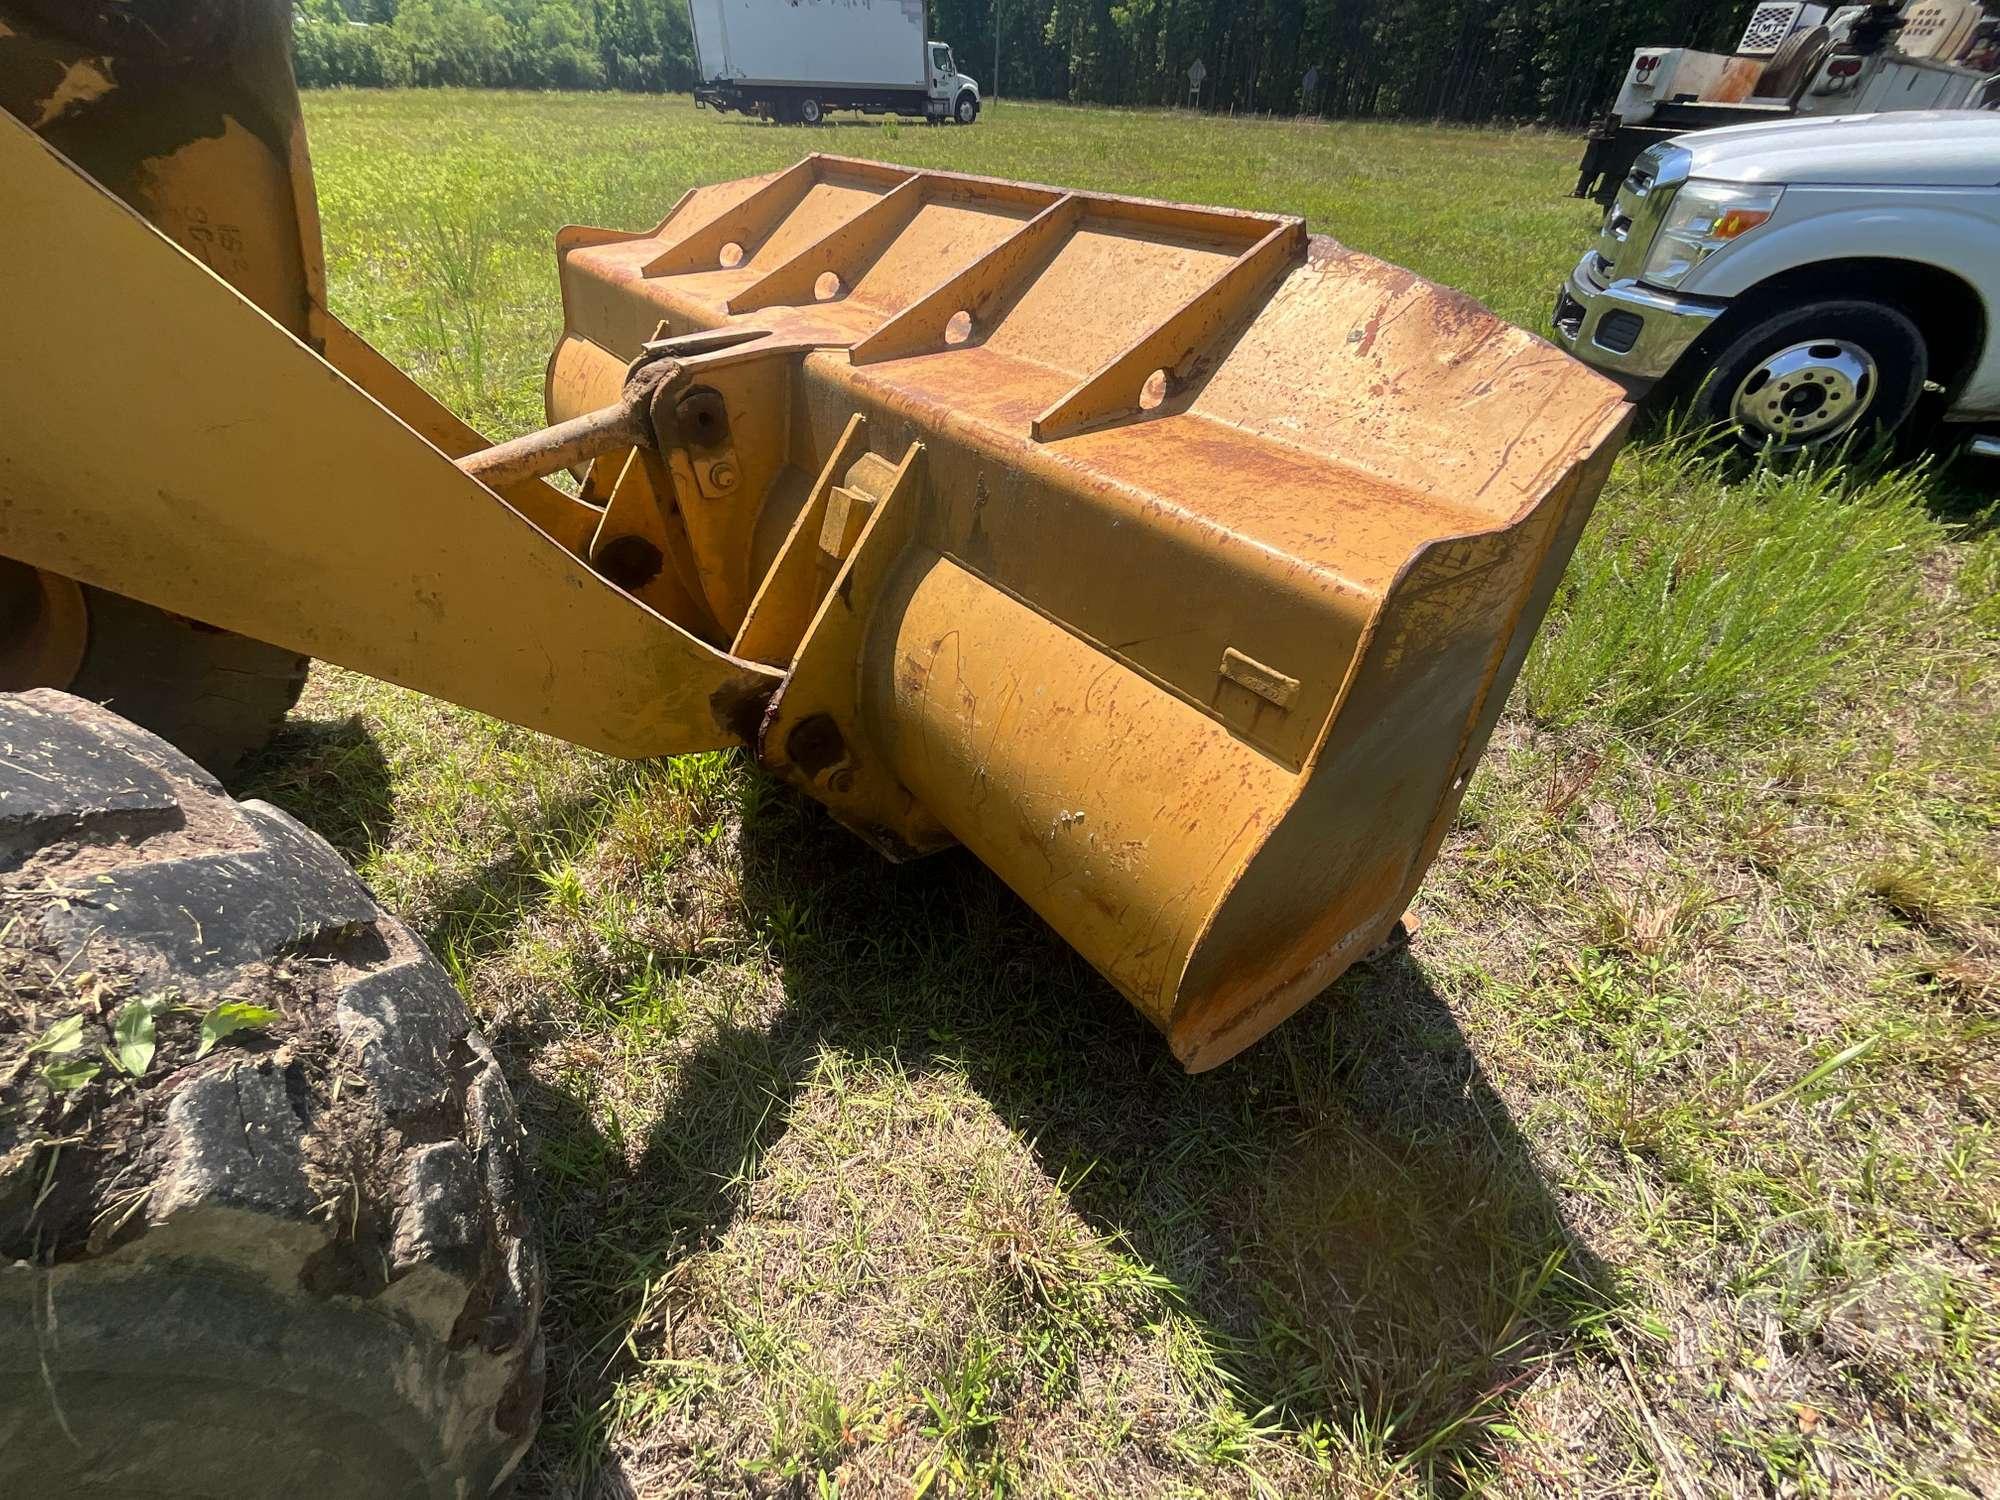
x=626 y=423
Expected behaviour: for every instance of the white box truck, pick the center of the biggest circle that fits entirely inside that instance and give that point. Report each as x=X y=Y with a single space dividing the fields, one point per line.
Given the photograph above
x=792 y=60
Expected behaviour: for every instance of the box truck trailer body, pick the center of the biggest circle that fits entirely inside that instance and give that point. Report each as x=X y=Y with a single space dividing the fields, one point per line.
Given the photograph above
x=793 y=59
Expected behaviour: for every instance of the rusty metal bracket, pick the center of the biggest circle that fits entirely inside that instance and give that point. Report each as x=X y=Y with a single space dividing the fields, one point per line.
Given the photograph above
x=813 y=734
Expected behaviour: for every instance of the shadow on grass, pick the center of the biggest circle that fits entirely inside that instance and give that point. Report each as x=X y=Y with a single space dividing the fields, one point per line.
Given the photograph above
x=330 y=775
x=1348 y=1209
x=1967 y=493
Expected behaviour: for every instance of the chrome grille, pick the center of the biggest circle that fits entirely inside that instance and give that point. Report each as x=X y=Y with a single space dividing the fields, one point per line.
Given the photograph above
x=1634 y=216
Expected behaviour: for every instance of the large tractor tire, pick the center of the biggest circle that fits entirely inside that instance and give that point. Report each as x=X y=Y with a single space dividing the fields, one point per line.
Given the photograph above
x=296 y=1264
x=216 y=695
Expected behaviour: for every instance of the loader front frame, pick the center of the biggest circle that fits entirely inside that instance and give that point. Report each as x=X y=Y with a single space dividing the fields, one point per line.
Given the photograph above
x=1176 y=563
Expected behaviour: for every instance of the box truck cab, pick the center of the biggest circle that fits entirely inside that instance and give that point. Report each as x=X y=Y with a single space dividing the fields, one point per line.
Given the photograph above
x=956 y=91
x=793 y=60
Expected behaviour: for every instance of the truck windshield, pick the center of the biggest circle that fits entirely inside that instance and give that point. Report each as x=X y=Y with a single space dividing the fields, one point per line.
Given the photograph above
x=941 y=63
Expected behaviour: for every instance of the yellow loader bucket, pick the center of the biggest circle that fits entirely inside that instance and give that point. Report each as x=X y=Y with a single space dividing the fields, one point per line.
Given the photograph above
x=1174 y=561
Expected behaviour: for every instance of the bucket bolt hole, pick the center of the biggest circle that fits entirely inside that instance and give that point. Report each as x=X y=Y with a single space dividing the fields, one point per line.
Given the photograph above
x=631 y=562
x=703 y=418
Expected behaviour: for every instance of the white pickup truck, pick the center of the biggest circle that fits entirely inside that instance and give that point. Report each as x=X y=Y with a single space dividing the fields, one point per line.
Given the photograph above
x=1806 y=279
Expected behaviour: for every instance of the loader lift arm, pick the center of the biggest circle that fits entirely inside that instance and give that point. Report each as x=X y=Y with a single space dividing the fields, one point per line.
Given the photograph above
x=213 y=497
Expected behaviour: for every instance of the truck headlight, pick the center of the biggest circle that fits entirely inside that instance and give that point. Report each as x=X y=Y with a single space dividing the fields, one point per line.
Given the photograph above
x=1704 y=217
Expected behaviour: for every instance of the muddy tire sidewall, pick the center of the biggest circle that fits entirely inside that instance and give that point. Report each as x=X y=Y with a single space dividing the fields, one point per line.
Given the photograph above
x=297 y=1262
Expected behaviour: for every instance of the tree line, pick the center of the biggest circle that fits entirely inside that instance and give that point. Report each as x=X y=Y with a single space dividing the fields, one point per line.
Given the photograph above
x=1551 y=61
x=640 y=45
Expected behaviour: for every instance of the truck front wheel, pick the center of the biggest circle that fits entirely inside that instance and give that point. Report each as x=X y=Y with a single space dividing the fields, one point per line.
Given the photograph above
x=967 y=108
x=1815 y=374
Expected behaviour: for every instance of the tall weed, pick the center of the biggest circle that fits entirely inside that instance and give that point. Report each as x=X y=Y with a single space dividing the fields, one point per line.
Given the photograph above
x=1704 y=604
x=454 y=256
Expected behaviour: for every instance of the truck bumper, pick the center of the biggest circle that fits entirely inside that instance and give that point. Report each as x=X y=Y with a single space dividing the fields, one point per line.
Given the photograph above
x=1630 y=332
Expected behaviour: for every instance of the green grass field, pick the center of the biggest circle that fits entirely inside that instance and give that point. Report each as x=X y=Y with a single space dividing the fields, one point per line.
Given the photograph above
x=1664 y=1163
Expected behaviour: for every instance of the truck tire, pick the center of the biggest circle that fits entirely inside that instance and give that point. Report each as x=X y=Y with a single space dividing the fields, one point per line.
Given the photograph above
x=1816 y=373
x=298 y=1265
x=966 y=110
x=215 y=694
x=809 y=110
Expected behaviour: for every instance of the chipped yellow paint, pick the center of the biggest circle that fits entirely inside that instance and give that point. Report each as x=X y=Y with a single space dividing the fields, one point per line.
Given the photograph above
x=84 y=82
